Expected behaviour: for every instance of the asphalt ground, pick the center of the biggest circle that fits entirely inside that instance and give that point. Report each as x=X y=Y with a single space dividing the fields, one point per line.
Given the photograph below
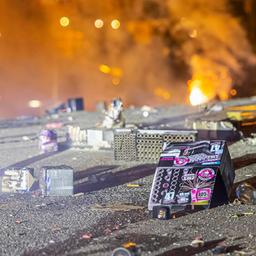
x=105 y=212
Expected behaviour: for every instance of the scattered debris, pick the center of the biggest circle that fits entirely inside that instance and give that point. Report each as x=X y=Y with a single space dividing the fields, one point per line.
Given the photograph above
x=245 y=253
x=90 y=138
x=246 y=193
x=58 y=109
x=197 y=242
x=107 y=231
x=78 y=194
x=17 y=180
x=238 y=215
x=127 y=249
x=214 y=126
x=56 y=180
x=216 y=107
x=130 y=185
x=76 y=136
x=54 y=125
x=25 y=138
x=188 y=176
x=48 y=141
x=56 y=228
x=251 y=141
x=75 y=104
x=116 y=207
x=161 y=213
x=114 y=115
x=221 y=248
x=147 y=110
x=72 y=105
x=87 y=236
x=236 y=202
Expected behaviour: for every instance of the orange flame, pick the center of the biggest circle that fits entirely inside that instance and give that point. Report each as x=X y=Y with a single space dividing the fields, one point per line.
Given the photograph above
x=197 y=95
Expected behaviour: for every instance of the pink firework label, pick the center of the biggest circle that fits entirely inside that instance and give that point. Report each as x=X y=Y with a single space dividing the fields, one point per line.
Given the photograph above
x=206 y=174
x=181 y=161
x=200 y=194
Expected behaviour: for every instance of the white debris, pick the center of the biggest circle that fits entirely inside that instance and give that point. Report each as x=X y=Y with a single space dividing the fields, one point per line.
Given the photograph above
x=114 y=115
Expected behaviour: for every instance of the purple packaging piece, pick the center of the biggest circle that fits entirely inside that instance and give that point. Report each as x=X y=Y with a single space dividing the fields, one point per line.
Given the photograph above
x=48 y=141
x=182 y=186
x=192 y=175
x=196 y=153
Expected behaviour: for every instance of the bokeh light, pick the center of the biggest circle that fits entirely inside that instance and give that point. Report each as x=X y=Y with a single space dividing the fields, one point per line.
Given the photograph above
x=233 y=92
x=99 y=23
x=104 y=69
x=64 y=21
x=34 y=104
x=115 y=81
x=115 y=24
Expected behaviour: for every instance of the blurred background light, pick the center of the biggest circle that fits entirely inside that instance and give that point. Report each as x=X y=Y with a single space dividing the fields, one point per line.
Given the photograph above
x=99 y=23
x=115 y=24
x=115 y=81
x=233 y=92
x=64 y=21
x=104 y=69
x=34 y=104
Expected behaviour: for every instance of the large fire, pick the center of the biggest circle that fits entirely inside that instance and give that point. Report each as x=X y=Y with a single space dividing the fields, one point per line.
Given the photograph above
x=197 y=97
x=197 y=94
x=142 y=51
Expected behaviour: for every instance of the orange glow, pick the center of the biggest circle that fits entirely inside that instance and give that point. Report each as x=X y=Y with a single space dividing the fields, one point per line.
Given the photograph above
x=197 y=96
x=193 y=33
x=233 y=92
x=129 y=244
x=115 y=81
x=117 y=72
x=64 y=21
x=115 y=24
x=162 y=93
x=213 y=80
x=98 y=23
x=104 y=69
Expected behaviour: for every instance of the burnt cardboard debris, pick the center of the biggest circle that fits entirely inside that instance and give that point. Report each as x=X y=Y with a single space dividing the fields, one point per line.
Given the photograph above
x=192 y=176
x=75 y=104
x=229 y=123
x=17 y=180
x=71 y=105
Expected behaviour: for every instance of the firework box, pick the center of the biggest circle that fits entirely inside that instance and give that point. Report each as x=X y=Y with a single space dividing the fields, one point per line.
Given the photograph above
x=56 y=180
x=191 y=176
x=17 y=180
